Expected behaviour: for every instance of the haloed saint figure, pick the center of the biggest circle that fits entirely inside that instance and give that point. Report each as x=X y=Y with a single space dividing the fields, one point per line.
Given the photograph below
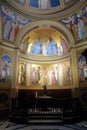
x=82 y=64
x=5 y=69
x=23 y=75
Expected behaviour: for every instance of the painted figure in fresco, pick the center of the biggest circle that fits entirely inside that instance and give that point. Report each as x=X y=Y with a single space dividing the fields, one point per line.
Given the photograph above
x=82 y=66
x=33 y=78
x=43 y=77
x=23 y=74
x=37 y=75
x=56 y=73
x=59 y=51
x=67 y=74
x=37 y=47
x=5 y=69
x=76 y=24
x=72 y=24
x=10 y=30
x=2 y=71
x=7 y=30
x=24 y=45
x=44 y=50
x=74 y=27
x=50 y=79
x=11 y=16
x=64 y=45
x=14 y=31
x=51 y=47
x=12 y=23
x=53 y=78
x=81 y=29
x=85 y=71
x=44 y=4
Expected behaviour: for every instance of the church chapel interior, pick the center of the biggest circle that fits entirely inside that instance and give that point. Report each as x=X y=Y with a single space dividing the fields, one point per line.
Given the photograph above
x=43 y=60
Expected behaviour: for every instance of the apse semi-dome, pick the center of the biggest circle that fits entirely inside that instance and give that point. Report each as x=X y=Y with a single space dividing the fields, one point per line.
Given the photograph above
x=44 y=42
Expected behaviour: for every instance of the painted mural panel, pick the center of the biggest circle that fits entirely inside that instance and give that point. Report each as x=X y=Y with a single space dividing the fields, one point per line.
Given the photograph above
x=44 y=4
x=22 y=74
x=44 y=74
x=48 y=48
x=77 y=24
x=11 y=23
x=51 y=75
x=5 y=69
x=40 y=4
x=82 y=64
x=67 y=79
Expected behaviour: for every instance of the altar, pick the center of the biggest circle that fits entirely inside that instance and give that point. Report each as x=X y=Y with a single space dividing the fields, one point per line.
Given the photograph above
x=43 y=102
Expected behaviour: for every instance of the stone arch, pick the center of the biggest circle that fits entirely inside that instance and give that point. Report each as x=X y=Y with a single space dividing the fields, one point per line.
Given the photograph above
x=45 y=23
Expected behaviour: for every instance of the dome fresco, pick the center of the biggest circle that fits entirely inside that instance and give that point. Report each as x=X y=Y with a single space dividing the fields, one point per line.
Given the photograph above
x=44 y=4
x=41 y=4
x=13 y=22
x=39 y=7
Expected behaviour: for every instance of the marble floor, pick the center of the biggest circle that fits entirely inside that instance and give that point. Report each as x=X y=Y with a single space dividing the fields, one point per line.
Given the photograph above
x=7 y=125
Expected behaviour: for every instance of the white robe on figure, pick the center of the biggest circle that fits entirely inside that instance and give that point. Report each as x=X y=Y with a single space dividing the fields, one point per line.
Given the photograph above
x=85 y=71
x=44 y=50
x=44 y=4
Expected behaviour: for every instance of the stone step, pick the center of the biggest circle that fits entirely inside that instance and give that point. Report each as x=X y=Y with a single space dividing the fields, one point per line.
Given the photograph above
x=44 y=117
x=45 y=114
x=45 y=122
